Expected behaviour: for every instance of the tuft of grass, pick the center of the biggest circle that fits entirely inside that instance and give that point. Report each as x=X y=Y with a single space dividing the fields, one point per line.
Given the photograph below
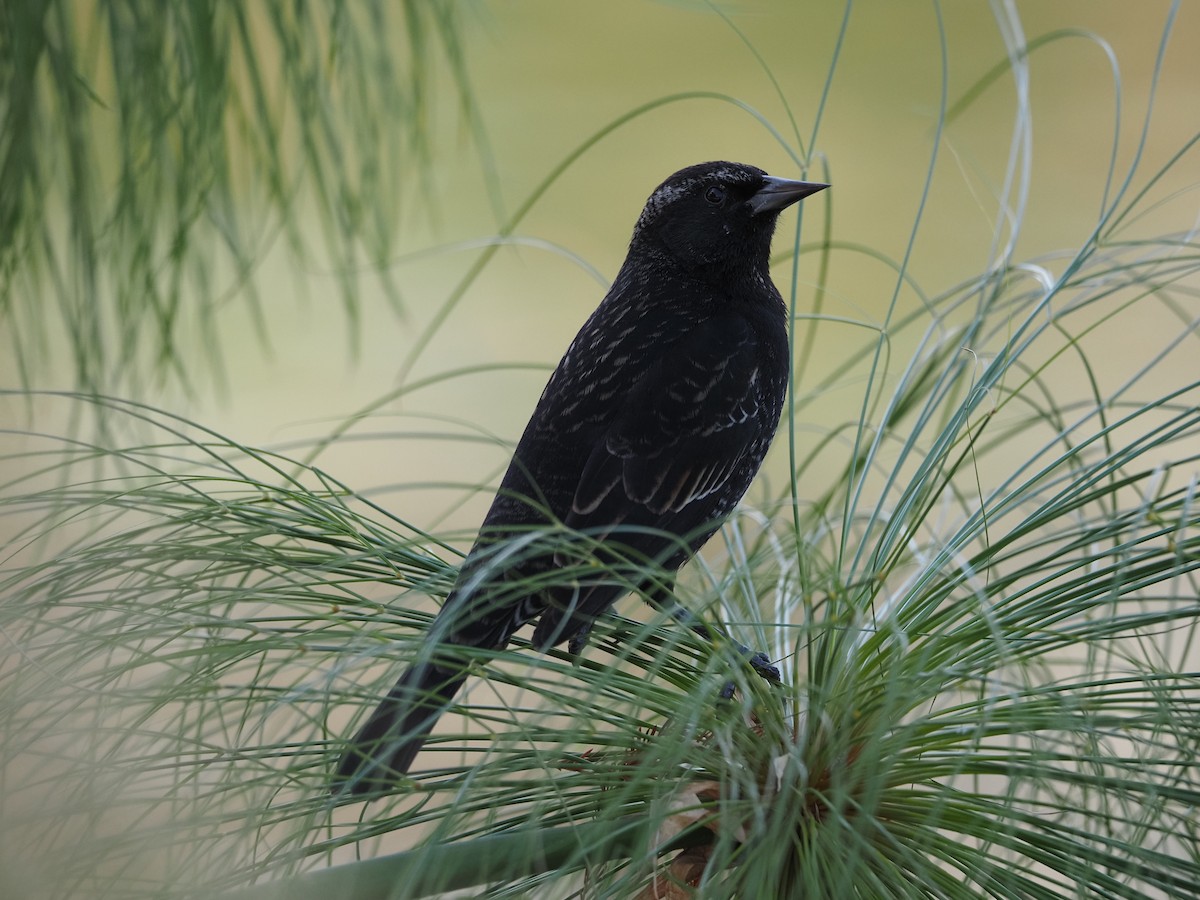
x=987 y=619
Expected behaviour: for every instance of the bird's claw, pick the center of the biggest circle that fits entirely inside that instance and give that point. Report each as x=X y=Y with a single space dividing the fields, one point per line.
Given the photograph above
x=579 y=641
x=762 y=666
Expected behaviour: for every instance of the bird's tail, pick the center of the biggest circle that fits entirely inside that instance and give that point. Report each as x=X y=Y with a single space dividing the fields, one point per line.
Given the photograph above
x=386 y=745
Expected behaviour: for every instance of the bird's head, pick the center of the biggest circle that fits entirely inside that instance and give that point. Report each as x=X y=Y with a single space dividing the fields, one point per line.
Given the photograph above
x=718 y=216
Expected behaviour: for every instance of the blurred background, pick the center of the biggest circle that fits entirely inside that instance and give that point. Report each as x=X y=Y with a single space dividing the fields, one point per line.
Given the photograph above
x=376 y=271
x=853 y=90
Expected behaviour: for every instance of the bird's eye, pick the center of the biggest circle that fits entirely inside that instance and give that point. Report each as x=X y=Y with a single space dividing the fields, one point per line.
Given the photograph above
x=715 y=195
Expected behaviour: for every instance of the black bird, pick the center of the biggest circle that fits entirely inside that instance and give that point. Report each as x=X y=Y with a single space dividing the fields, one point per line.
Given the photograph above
x=646 y=436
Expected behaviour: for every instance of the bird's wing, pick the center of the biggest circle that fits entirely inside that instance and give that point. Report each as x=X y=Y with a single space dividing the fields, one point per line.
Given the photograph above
x=666 y=466
x=685 y=426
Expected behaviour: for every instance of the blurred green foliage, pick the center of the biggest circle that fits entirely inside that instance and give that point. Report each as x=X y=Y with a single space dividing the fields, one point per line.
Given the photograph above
x=150 y=152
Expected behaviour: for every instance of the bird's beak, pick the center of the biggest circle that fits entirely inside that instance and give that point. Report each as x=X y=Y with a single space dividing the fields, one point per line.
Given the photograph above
x=780 y=193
